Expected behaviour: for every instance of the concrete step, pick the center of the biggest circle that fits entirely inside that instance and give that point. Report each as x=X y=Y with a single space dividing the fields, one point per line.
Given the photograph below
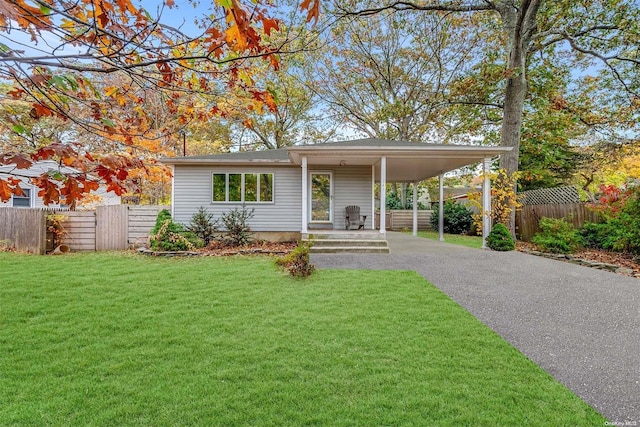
x=326 y=243
x=345 y=235
x=350 y=249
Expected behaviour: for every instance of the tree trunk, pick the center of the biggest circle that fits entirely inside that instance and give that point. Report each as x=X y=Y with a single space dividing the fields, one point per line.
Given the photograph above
x=519 y=24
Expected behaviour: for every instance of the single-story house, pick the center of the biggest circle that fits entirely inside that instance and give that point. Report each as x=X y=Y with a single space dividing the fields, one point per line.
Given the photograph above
x=297 y=189
x=31 y=198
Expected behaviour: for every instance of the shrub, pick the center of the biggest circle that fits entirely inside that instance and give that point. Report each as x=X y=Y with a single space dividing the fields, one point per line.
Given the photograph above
x=163 y=215
x=57 y=230
x=171 y=236
x=457 y=218
x=629 y=221
x=601 y=235
x=557 y=236
x=203 y=225
x=621 y=209
x=499 y=239
x=297 y=262
x=504 y=200
x=238 y=232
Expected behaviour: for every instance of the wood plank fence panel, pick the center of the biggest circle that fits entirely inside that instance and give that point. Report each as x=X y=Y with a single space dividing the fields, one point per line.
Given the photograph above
x=528 y=217
x=112 y=227
x=142 y=219
x=403 y=219
x=115 y=227
x=80 y=230
x=25 y=228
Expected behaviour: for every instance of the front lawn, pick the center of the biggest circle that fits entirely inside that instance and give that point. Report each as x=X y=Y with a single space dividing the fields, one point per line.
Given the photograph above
x=122 y=339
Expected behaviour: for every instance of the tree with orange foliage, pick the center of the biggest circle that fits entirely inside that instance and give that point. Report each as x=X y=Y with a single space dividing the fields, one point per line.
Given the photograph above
x=72 y=42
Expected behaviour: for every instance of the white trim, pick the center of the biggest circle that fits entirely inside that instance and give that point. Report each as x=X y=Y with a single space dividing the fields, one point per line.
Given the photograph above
x=31 y=190
x=331 y=192
x=305 y=213
x=173 y=190
x=486 y=201
x=383 y=195
x=373 y=197
x=415 y=207
x=441 y=208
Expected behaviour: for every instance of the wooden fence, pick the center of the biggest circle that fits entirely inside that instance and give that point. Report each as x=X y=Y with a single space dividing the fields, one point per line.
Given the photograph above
x=113 y=227
x=528 y=217
x=403 y=219
x=24 y=228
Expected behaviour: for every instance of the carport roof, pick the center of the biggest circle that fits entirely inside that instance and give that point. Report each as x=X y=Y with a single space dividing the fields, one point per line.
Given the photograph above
x=406 y=160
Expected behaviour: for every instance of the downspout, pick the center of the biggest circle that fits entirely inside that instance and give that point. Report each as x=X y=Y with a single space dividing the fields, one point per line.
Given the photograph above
x=383 y=194
x=441 y=208
x=373 y=197
x=486 y=202
x=173 y=191
x=305 y=202
x=415 y=208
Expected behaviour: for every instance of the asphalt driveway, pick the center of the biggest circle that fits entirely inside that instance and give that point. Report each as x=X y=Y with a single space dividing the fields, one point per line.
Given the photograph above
x=580 y=324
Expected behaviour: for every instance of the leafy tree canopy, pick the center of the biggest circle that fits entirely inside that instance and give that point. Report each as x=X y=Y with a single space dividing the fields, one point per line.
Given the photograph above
x=53 y=51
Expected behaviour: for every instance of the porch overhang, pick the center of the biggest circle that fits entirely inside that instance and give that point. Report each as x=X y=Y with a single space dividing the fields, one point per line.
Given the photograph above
x=405 y=162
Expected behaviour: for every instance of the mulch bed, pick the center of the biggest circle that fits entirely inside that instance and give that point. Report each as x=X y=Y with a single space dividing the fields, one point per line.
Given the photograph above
x=258 y=247
x=621 y=263
x=628 y=264
x=220 y=249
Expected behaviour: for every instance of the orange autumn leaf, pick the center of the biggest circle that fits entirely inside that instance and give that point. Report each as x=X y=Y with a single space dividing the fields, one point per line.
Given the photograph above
x=8 y=187
x=5 y=190
x=49 y=191
x=22 y=161
x=235 y=38
x=313 y=9
x=270 y=24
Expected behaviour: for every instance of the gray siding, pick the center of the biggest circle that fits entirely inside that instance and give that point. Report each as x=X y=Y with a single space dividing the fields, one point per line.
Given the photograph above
x=192 y=189
x=352 y=186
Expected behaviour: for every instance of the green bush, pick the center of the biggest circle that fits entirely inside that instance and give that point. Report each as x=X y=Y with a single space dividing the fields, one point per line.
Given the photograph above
x=203 y=225
x=629 y=222
x=499 y=239
x=171 y=236
x=557 y=236
x=621 y=230
x=601 y=235
x=457 y=218
x=297 y=262
x=163 y=215
x=236 y=225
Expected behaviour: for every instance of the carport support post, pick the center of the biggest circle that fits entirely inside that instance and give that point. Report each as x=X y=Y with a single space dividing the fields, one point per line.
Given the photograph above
x=441 y=207
x=415 y=208
x=373 y=197
x=383 y=194
x=486 y=202
x=305 y=202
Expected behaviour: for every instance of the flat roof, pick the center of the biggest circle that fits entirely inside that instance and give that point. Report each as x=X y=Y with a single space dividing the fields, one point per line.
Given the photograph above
x=406 y=160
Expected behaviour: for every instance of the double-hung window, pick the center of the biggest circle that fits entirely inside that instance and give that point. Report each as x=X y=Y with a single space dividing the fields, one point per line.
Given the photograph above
x=22 y=201
x=243 y=187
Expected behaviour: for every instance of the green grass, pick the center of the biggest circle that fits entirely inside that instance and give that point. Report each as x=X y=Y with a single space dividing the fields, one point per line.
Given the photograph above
x=122 y=339
x=456 y=239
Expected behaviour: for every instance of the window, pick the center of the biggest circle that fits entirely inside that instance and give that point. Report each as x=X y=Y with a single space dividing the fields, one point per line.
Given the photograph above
x=242 y=187
x=23 y=201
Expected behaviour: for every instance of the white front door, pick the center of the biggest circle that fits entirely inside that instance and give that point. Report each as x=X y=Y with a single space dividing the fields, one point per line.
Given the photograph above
x=321 y=197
